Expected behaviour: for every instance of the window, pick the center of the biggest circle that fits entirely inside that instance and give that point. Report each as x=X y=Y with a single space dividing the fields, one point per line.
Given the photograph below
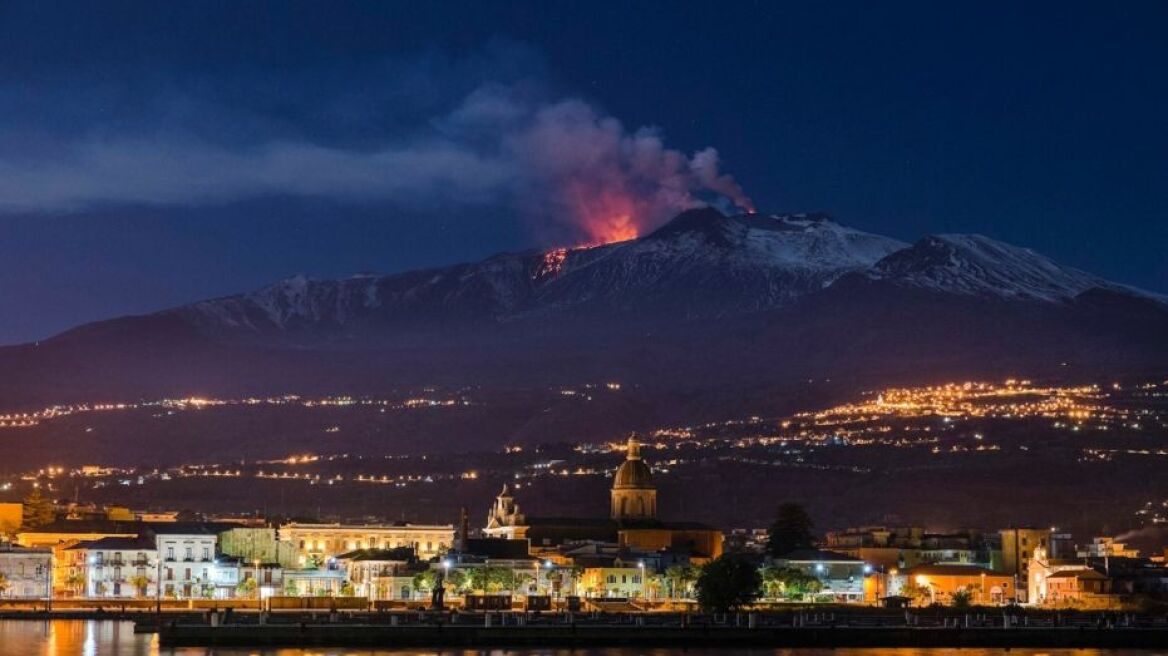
x=206 y=553
x=612 y=578
x=189 y=553
x=170 y=553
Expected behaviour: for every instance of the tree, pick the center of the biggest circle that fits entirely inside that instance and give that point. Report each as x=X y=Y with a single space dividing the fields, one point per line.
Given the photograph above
x=962 y=598
x=655 y=583
x=790 y=531
x=75 y=582
x=522 y=582
x=491 y=579
x=425 y=580
x=454 y=581
x=680 y=578
x=140 y=583
x=4 y=585
x=346 y=589
x=916 y=592
x=575 y=573
x=291 y=589
x=726 y=584
x=38 y=510
x=789 y=583
x=247 y=588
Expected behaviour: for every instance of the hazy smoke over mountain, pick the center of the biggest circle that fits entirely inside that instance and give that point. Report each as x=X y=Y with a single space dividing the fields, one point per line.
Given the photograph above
x=575 y=173
x=581 y=169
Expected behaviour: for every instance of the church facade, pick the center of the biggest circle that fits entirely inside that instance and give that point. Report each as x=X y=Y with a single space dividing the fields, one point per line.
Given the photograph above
x=632 y=520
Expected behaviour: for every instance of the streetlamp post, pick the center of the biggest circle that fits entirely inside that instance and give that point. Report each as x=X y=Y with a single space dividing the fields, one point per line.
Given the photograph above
x=641 y=567
x=550 y=566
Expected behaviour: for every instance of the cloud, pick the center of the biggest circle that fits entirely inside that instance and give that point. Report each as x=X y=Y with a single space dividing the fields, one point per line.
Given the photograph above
x=574 y=172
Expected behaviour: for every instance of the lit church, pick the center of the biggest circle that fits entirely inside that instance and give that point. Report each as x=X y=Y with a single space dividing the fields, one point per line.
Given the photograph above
x=632 y=522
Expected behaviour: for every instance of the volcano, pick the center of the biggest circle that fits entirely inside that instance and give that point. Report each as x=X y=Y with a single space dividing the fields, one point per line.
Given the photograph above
x=707 y=300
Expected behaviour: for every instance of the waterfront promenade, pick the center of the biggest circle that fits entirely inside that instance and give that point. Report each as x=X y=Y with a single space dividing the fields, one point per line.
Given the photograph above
x=847 y=628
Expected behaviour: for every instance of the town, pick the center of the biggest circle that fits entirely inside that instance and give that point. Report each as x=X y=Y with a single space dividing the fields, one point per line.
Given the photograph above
x=629 y=560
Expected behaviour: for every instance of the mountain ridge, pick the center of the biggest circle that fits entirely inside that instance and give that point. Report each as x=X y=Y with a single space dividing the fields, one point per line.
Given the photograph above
x=706 y=300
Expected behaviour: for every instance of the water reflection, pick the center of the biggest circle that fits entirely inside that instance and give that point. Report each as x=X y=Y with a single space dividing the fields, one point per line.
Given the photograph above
x=94 y=638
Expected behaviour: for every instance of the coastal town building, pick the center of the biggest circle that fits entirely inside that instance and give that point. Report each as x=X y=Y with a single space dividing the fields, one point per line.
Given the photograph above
x=61 y=534
x=112 y=567
x=939 y=584
x=632 y=524
x=11 y=517
x=316 y=544
x=1106 y=547
x=1017 y=548
x=380 y=574
x=886 y=548
x=842 y=577
x=187 y=550
x=26 y=572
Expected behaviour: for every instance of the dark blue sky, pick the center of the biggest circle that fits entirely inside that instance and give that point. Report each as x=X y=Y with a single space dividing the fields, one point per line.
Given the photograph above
x=157 y=153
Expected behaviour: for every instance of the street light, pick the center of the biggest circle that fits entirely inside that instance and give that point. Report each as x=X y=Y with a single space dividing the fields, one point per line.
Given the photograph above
x=641 y=566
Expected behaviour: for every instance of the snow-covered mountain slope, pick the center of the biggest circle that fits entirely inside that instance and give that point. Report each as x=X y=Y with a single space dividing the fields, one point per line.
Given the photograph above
x=702 y=264
x=705 y=302
x=975 y=265
x=706 y=264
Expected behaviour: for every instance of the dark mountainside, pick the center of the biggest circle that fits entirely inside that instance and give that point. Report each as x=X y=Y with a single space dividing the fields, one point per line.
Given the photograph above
x=708 y=304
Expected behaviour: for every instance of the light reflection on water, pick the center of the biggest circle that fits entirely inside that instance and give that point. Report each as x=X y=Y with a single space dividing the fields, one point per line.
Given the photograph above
x=94 y=638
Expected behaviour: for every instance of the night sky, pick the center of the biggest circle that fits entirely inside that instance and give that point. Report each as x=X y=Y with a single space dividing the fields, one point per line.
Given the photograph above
x=157 y=153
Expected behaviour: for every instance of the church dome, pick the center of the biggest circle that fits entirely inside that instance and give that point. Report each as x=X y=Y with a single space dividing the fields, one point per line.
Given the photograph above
x=633 y=472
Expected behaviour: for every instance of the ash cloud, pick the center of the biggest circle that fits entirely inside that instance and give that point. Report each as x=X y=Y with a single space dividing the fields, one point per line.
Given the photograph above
x=577 y=174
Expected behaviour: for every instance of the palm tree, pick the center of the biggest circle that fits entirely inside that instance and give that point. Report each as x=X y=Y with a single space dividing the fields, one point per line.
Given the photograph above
x=140 y=583
x=680 y=577
x=75 y=583
x=575 y=573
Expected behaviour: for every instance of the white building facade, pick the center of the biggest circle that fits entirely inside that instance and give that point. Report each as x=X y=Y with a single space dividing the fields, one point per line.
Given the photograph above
x=26 y=572
x=188 y=560
x=316 y=544
x=113 y=567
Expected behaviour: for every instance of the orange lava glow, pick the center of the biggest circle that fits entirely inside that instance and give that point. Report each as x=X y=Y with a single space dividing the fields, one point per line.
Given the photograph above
x=607 y=217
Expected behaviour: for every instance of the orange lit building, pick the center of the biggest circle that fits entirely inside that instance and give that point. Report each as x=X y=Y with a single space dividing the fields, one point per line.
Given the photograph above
x=940 y=582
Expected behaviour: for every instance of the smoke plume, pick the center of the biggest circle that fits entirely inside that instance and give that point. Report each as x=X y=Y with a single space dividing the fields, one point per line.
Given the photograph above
x=576 y=174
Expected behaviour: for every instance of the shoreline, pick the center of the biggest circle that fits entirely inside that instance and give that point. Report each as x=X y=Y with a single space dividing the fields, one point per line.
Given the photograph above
x=187 y=628
x=641 y=636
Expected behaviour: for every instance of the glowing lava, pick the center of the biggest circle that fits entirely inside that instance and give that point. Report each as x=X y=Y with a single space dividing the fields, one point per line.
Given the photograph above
x=551 y=265
x=607 y=216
